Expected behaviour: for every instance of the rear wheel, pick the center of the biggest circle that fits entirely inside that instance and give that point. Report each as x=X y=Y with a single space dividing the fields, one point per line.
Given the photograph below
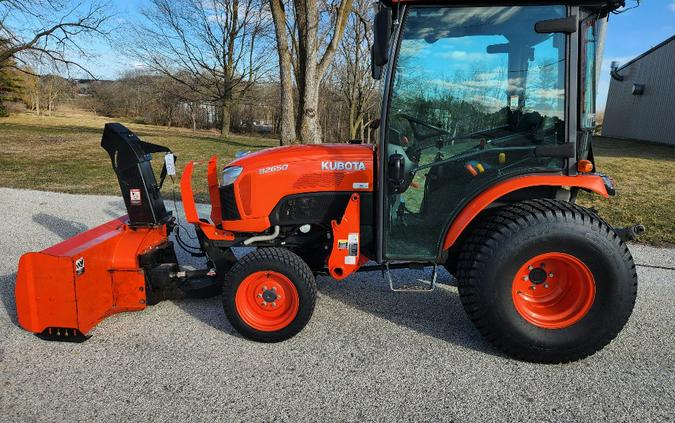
x=547 y=281
x=269 y=295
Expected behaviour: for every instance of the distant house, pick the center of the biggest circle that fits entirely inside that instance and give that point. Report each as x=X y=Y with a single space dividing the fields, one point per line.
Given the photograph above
x=641 y=98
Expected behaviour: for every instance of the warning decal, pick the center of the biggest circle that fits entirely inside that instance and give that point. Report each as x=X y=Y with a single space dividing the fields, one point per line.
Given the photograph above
x=79 y=266
x=352 y=248
x=135 y=196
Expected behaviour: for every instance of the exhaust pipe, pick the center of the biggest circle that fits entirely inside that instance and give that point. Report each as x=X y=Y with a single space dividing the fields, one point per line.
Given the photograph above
x=630 y=233
x=259 y=238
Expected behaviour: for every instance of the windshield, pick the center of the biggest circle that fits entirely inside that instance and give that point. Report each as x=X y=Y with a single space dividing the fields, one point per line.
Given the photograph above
x=477 y=72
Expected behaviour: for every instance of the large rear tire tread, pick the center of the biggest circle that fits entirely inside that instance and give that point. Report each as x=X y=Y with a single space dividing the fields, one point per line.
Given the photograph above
x=493 y=233
x=285 y=262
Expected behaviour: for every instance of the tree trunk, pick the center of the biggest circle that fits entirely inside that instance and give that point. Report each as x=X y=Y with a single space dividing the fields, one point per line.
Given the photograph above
x=309 y=67
x=312 y=68
x=356 y=127
x=309 y=126
x=287 y=119
x=225 y=127
x=37 y=104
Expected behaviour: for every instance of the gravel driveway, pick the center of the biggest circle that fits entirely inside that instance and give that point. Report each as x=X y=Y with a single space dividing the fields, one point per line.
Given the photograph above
x=367 y=354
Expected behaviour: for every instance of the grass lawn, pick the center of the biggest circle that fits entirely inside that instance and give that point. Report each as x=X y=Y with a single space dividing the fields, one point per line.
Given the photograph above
x=63 y=154
x=645 y=179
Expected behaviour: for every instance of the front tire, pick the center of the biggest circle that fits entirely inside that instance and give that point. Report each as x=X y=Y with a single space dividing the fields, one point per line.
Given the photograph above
x=547 y=281
x=269 y=295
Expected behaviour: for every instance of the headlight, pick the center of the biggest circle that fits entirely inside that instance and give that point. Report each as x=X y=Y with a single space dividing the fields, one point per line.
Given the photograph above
x=230 y=175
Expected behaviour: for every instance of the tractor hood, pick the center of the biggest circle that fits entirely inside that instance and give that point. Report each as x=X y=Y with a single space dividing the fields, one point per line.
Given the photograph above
x=314 y=155
x=268 y=176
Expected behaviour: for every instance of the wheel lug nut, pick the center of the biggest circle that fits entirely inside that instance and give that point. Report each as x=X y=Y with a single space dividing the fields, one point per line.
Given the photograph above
x=545 y=285
x=530 y=267
x=526 y=278
x=533 y=287
x=274 y=304
x=259 y=295
x=550 y=275
x=274 y=288
x=264 y=303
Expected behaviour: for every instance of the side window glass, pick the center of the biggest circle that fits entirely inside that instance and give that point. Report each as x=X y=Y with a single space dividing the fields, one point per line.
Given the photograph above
x=588 y=51
x=474 y=94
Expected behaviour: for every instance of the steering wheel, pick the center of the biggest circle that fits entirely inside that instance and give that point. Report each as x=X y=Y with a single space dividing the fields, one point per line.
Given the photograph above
x=444 y=135
x=414 y=122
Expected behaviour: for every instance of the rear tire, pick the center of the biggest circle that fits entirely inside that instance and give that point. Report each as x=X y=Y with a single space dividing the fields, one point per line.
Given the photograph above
x=269 y=295
x=575 y=312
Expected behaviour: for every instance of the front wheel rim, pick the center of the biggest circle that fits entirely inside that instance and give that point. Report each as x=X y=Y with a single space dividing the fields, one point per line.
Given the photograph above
x=267 y=301
x=553 y=290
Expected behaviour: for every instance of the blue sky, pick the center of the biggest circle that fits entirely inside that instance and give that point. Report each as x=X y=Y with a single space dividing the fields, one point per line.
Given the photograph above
x=632 y=33
x=628 y=35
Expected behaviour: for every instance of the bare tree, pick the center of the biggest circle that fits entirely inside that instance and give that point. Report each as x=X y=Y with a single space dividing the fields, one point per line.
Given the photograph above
x=49 y=32
x=54 y=89
x=214 y=48
x=352 y=69
x=287 y=122
x=308 y=34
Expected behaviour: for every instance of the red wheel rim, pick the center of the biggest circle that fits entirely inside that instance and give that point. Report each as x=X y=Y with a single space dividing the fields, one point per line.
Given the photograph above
x=267 y=301
x=553 y=290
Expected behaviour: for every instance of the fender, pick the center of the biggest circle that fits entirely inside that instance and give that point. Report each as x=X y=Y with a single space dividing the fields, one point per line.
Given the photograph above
x=594 y=183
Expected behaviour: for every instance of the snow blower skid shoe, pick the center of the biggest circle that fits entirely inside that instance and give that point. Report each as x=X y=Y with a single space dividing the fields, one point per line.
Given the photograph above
x=63 y=291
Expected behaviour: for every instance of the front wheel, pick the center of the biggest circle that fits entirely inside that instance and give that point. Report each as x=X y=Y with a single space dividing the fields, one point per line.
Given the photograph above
x=547 y=281
x=269 y=295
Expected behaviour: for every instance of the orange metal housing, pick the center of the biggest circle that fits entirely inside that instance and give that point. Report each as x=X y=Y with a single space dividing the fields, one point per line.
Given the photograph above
x=487 y=197
x=271 y=174
x=190 y=209
x=346 y=257
x=77 y=283
x=214 y=192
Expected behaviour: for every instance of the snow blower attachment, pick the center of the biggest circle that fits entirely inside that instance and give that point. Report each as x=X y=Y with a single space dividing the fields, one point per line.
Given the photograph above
x=64 y=291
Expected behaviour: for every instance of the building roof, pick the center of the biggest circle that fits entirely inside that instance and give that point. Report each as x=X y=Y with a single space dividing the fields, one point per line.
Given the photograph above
x=648 y=52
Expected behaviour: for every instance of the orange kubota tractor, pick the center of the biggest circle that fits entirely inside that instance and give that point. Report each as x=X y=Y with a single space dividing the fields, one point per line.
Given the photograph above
x=484 y=144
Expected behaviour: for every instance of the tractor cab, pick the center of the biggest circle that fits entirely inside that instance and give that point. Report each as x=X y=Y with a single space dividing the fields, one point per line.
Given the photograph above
x=474 y=96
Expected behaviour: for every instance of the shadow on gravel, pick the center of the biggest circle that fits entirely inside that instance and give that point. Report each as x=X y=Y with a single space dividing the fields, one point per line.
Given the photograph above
x=115 y=209
x=439 y=313
x=209 y=311
x=64 y=229
x=7 y=284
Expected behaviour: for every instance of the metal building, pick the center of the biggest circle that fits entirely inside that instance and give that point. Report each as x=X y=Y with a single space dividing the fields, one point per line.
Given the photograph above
x=641 y=98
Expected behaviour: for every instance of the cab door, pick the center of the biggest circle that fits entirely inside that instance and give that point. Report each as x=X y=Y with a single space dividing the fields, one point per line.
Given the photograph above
x=472 y=92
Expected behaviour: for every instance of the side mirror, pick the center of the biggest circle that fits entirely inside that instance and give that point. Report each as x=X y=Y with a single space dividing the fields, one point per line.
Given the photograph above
x=566 y=25
x=396 y=172
x=381 y=32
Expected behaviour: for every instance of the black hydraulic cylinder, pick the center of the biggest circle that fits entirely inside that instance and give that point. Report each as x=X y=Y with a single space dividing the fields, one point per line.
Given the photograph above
x=131 y=161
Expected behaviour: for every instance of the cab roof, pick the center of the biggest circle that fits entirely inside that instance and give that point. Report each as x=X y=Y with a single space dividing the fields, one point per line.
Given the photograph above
x=612 y=4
